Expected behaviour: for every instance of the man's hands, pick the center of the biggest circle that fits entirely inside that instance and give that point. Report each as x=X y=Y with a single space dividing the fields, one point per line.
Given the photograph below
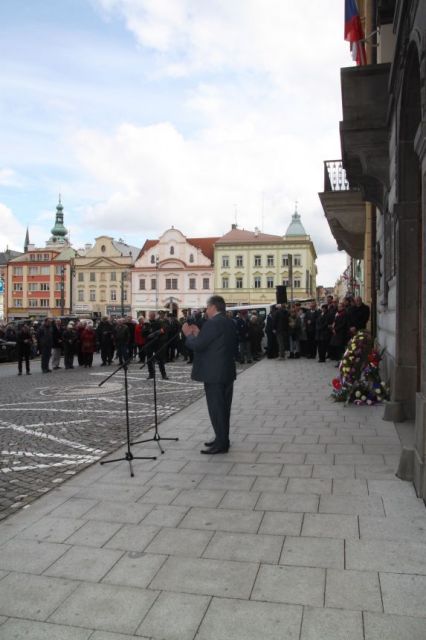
x=190 y=330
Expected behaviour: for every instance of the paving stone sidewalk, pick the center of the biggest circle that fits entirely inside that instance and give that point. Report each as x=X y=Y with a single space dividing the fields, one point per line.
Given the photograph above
x=300 y=532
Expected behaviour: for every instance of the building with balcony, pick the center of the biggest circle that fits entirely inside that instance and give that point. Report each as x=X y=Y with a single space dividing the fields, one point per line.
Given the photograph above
x=173 y=272
x=101 y=278
x=383 y=140
x=39 y=280
x=250 y=264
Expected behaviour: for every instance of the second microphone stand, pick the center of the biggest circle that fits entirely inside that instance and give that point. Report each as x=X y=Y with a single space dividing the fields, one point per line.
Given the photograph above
x=128 y=455
x=153 y=358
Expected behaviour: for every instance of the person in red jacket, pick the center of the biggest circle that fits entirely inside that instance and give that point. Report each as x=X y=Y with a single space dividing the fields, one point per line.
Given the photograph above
x=140 y=339
x=88 y=344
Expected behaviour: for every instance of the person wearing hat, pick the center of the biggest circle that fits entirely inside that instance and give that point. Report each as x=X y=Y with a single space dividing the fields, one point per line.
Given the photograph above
x=70 y=339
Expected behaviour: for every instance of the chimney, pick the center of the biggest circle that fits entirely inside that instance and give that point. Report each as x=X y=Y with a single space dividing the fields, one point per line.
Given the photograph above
x=256 y=231
x=233 y=226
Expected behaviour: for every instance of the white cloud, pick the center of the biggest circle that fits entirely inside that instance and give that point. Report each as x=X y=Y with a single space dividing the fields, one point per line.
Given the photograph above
x=263 y=94
x=12 y=232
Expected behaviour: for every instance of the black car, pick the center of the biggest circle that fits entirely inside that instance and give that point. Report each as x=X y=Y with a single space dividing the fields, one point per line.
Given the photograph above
x=8 y=351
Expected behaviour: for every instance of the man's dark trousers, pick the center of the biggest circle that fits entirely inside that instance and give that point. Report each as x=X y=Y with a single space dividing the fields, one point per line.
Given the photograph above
x=219 y=401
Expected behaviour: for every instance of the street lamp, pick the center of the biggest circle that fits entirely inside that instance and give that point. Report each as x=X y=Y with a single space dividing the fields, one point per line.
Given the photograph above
x=62 y=290
x=157 y=261
x=123 y=280
x=290 y=275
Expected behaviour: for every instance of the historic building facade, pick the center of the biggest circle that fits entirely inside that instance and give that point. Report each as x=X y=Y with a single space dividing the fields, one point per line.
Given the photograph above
x=250 y=264
x=101 y=282
x=383 y=137
x=173 y=272
x=5 y=257
x=39 y=280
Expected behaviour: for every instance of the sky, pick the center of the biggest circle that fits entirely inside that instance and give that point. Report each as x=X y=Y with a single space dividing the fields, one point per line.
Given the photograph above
x=147 y=114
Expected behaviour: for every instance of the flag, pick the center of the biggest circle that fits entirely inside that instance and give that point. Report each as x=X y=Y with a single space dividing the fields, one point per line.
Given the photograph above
x=354 y=32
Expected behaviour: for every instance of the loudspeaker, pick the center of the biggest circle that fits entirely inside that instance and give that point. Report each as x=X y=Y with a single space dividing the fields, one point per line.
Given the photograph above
x=281 y=293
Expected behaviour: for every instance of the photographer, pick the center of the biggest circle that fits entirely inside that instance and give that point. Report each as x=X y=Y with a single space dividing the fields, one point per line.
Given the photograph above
x=155 y=333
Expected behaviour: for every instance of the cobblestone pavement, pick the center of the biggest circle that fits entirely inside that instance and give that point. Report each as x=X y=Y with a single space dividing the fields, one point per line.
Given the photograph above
x=52 y=426
x=300 y=532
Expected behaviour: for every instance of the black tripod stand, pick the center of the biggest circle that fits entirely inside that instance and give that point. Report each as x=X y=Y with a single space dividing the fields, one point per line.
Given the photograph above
x=153 y=358
x=129 y=455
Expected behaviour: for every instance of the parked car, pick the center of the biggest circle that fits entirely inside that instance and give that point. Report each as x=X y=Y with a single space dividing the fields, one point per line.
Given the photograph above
x=8 y=351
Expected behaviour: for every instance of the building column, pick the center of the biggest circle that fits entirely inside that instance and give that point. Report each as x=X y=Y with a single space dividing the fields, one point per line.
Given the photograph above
x=420 y=420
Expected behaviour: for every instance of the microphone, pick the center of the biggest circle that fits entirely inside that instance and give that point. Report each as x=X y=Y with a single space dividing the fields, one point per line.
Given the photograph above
x=156 y=334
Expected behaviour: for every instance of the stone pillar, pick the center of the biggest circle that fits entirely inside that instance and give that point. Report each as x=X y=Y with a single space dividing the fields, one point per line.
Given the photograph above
x=420 y=422
x=404 y=384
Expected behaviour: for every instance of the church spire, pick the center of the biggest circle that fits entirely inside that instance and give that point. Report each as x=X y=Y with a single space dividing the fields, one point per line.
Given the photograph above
x=58 y=230
x=26 y=241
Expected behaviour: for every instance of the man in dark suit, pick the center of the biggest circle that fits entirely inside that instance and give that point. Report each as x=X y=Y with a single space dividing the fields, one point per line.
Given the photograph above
x=214 y=364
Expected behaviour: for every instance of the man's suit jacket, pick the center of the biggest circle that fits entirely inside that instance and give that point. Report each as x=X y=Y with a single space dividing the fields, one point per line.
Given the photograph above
x=214 y=351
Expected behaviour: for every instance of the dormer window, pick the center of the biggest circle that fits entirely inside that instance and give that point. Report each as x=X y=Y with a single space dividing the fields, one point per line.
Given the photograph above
x=191 y=257
x=172 y=251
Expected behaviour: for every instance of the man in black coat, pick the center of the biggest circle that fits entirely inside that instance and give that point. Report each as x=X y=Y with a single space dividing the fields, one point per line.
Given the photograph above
x=45 y=341
x=214 y=364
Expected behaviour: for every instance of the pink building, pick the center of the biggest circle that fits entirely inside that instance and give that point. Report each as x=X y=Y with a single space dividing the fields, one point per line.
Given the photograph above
x=173 y=272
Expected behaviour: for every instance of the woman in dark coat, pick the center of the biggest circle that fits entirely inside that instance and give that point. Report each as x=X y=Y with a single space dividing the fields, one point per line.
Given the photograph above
x=322 y=333
x=70 y=340
x=340 y=333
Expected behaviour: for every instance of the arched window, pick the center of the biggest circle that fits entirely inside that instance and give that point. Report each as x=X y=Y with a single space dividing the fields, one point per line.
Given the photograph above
x=172 y=251
x=153 y=259
x=191 y=257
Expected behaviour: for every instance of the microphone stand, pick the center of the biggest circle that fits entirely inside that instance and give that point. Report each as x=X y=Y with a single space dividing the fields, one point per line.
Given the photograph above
x=129 y=457
x=156 y=437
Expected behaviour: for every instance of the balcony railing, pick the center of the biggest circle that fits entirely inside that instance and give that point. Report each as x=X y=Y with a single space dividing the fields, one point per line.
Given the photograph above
x=335 y=176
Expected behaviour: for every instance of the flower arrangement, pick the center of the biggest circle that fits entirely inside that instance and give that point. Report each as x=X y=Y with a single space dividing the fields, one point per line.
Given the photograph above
x=359 y=381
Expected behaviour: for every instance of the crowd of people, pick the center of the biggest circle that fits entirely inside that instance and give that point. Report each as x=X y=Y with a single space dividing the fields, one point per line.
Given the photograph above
x=315 y=331
x=65 y=344
x=292 y=331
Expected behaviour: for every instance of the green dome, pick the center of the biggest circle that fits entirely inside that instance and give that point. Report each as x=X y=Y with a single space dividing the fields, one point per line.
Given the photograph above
x=58 y=230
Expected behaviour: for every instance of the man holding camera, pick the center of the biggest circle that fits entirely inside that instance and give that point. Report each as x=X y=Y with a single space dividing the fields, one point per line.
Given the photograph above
x=214 y=364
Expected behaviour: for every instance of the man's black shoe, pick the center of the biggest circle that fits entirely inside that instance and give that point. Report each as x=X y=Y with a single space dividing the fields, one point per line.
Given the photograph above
x=213 y=450
x=150 y=377
x=210 y=444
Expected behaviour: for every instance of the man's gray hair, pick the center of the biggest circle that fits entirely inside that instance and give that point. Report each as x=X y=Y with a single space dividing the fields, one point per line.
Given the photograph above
x=218 y=302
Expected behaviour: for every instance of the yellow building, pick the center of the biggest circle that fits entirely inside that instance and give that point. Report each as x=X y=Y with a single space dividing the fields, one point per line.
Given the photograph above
x=250 y=264
x=102 y=277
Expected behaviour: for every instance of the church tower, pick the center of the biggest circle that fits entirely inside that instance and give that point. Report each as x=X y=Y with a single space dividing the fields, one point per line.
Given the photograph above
x=59 y=232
